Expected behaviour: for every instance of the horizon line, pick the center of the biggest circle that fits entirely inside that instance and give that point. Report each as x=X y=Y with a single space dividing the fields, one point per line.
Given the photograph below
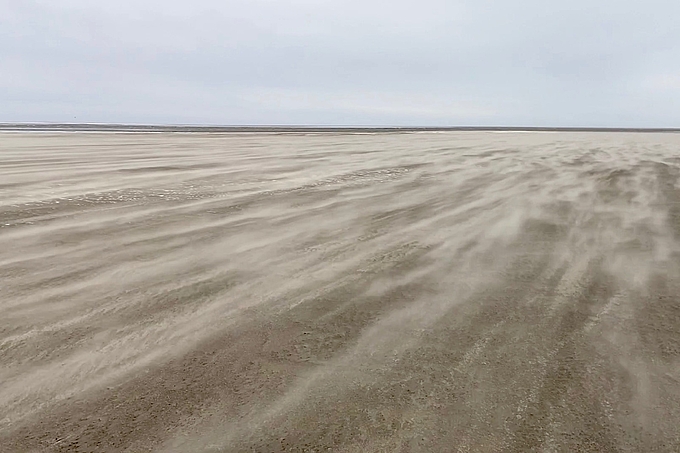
x=141 y=127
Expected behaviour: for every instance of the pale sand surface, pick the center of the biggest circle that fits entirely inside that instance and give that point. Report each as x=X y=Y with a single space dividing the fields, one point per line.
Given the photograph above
x=422 y=292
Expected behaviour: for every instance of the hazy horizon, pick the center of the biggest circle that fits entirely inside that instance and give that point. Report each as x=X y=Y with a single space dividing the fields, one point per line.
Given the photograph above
x=101 y=126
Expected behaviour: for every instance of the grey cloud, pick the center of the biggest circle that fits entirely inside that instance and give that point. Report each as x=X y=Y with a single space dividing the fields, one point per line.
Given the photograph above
x=523 y=62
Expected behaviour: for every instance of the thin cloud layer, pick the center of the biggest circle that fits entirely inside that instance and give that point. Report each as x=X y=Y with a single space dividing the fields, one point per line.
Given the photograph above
x=342 y=62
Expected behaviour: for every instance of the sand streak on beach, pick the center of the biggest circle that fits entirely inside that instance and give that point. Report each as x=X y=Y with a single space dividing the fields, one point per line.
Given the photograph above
x=432 y=292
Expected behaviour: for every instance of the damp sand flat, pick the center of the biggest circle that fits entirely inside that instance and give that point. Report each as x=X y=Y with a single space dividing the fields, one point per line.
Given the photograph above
x=457 y=291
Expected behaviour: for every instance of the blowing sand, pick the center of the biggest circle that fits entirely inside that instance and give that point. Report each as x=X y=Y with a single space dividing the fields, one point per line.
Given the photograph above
x=426 y=292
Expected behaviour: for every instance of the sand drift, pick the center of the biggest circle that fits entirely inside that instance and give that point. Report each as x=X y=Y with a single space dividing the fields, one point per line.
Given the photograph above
x=457 y=291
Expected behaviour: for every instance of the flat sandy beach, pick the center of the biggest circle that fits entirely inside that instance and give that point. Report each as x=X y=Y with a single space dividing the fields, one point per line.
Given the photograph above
x=389 y=292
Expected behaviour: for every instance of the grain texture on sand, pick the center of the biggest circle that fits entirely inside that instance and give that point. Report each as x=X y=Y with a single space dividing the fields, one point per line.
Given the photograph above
x=312 y=292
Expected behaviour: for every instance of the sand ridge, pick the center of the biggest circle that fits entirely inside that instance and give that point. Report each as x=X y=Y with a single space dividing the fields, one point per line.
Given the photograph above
x=455 y=291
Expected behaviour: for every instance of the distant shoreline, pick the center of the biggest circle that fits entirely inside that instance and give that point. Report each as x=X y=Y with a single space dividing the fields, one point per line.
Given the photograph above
x=68 y=127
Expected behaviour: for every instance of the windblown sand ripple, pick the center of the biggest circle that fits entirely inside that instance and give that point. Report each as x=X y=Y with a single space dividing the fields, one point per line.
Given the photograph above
x=467 y=291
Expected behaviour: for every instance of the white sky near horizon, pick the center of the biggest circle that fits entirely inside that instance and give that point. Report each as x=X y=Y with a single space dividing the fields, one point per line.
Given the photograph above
x=600 y=63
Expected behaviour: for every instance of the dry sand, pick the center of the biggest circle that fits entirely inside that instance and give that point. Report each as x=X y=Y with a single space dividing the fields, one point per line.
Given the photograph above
x=424 y=292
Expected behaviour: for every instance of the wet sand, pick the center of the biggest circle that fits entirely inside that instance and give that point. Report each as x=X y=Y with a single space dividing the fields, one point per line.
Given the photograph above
x=402 y=292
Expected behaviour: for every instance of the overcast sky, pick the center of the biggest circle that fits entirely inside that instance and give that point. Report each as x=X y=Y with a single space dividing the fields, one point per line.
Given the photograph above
x=342 y=62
